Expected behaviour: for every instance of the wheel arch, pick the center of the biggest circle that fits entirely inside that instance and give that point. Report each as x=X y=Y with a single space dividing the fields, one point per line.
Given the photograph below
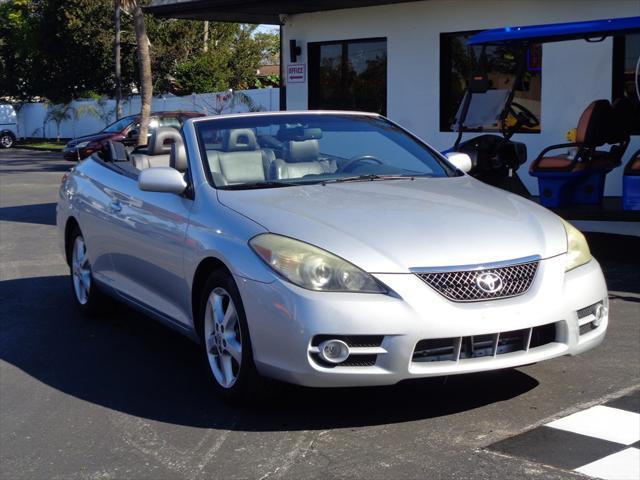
x=204 y=269
x=71 y=226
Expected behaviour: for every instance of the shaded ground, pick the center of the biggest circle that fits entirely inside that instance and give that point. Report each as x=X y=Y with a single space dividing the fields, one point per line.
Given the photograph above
x=123 y=397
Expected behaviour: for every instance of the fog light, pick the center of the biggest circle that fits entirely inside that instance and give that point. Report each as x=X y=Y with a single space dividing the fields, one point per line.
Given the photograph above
x=600 y=313
x=334 y=351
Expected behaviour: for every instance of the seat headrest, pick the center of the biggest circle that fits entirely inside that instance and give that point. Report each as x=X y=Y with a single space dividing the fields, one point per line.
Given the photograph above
x=621 y=120
x=304 y=151
x=178 y=157
x=161 y=140
x=239 y=140
x=593 y=127
x=117 y=152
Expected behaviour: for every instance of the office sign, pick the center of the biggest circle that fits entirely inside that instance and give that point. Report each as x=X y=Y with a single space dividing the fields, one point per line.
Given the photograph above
x=296 y=73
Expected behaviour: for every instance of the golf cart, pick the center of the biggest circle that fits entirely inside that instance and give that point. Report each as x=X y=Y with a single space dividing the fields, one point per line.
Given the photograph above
x=564 y=178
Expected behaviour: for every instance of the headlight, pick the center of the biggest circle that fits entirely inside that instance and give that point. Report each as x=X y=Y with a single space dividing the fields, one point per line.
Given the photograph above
x=311 y=267
x=82 y=144
x=577 y=248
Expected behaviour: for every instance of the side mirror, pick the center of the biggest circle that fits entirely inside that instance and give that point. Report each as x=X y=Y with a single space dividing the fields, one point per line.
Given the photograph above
x=161 y=179
x=133 y=133
x=461 y=161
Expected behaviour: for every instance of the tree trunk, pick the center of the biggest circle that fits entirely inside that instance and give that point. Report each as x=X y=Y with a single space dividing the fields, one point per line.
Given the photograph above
x=144 y=62
x=205 y=45
x=116 y=58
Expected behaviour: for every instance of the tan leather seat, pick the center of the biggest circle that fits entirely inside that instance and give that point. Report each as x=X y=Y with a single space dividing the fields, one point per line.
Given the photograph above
x=633 y=166
x=157 y=153
x=592 y=131
x=241 y=159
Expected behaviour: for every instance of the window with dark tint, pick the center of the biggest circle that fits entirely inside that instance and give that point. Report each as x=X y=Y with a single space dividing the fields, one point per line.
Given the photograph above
x=348 y=75
x=119 y=125
x=458 y=62
x=626 y=50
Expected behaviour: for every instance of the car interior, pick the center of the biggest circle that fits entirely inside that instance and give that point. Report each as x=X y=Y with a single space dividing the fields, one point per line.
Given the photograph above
x=236 y=158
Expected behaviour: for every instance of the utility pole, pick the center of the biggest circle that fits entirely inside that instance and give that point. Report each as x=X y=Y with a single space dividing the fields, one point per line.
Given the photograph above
x=116 y=56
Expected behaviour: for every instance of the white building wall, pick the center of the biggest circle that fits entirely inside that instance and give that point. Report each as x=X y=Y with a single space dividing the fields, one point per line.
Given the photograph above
x=574 y=73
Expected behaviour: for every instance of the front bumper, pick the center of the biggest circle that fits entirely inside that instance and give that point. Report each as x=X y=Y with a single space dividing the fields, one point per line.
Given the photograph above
x=284 y=320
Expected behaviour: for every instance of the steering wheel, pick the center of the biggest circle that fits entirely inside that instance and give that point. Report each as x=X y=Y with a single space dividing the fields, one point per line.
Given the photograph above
x=524 y=117
x=359 y=158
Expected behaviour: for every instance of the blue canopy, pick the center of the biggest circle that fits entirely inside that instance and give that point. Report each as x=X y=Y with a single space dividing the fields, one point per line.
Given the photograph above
x=556 y=32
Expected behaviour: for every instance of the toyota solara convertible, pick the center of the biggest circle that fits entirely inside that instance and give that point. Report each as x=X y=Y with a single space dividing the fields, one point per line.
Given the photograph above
x=326 y=249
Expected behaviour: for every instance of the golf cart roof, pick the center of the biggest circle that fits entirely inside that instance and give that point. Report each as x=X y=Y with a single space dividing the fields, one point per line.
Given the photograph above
x=556 y=32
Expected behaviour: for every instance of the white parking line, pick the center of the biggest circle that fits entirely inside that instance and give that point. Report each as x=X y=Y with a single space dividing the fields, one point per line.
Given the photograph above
x=606 y=423
x=624 y=465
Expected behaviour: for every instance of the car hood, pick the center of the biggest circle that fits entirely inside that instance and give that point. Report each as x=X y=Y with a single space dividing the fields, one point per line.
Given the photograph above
x=94 y=137
x=395 y=225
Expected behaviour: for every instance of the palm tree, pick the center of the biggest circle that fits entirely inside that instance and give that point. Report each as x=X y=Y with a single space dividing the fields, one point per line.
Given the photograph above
x=134 y=8
x=58 y=114
x=117 y=6
x=98 y=108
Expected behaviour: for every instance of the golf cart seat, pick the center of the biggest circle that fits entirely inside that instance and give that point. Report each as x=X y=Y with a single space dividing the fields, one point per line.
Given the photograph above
x=579 y=179
x=591 y=132
x=618 y=134
x=631 y=183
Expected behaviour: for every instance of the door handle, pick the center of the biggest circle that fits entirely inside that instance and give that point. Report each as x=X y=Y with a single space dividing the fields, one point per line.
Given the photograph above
x=115 y=206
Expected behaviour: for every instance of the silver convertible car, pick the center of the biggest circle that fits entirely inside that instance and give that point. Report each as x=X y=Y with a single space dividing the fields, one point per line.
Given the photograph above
x=326 y=249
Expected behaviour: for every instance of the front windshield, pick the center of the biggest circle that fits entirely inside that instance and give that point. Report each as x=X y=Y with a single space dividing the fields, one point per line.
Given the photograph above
x=119 y=125
x=291 y=149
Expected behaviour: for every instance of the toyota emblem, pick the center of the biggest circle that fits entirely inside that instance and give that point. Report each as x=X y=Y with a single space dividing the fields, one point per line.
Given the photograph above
x=489 y=282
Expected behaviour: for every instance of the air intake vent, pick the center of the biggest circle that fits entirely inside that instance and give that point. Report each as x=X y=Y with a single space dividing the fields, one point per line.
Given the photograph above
x=489 y=345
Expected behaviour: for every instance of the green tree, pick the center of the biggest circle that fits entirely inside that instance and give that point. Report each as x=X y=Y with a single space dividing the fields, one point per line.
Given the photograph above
x=61 y=50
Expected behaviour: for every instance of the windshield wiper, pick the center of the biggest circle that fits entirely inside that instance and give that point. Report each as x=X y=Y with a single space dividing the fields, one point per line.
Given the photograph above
x=254 y=185
x=370 y=178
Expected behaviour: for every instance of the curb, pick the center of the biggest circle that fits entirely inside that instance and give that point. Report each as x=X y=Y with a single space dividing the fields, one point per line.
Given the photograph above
x=39 y=149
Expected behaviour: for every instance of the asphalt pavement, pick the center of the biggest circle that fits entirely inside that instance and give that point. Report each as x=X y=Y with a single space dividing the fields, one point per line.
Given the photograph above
x=124 y=397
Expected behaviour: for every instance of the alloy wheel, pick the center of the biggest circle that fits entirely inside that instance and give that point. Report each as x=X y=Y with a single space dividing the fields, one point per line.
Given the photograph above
x=6 y=141
x=223 y=337
x=81 y=271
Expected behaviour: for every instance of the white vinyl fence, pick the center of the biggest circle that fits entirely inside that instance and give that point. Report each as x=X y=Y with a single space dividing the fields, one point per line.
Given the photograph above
x=90 y=116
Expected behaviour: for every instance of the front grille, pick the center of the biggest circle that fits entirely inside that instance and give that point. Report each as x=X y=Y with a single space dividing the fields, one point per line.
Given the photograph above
x=464 y=285
x=487 y=345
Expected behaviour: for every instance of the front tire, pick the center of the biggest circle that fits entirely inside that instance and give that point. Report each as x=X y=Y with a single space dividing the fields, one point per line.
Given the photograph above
x=225 y=341
x=86 y=294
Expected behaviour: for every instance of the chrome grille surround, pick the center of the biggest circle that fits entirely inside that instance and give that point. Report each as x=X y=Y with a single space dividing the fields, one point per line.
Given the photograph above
x=459 y=284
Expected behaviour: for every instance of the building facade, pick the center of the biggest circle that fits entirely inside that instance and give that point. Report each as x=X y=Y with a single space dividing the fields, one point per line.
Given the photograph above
x=407 y=61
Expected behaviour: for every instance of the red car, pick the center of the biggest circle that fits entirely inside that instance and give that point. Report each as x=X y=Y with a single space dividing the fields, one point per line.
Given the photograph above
x=124 y=130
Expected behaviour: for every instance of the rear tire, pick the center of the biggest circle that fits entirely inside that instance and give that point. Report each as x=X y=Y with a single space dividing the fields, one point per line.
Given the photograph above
x=7 y=139
x=86 y=294
x=226 y=343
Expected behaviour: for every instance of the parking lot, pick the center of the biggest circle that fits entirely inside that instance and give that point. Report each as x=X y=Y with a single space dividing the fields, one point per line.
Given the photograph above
x=123 y=397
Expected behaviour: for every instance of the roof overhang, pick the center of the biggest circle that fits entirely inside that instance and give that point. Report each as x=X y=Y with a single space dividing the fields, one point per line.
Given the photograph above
x=251 y=11
x=557 y=32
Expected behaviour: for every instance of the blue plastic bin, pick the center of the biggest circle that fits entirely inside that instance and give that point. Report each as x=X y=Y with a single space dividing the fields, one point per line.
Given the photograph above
x=560 y=189
x=631 y=192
